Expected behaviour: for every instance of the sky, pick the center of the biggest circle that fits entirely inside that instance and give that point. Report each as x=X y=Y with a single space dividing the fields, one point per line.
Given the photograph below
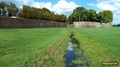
x=67 y=6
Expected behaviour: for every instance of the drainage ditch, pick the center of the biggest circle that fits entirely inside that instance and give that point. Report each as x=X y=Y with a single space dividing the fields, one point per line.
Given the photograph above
x=74 y=56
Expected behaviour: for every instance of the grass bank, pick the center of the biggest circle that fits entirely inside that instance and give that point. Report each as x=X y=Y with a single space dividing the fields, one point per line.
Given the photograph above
x=99 y=44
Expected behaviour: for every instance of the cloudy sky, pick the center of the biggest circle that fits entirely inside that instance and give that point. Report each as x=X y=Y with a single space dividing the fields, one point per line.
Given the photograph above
x=67 y=6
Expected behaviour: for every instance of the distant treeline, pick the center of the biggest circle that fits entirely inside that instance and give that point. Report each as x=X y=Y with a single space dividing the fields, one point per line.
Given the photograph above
x=30 y=12
x=118 y=25
x=82 y=14
x=42 y=14
x=79 y=14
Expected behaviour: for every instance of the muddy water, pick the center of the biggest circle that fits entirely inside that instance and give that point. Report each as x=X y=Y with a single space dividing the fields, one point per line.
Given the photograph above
x=74 y=56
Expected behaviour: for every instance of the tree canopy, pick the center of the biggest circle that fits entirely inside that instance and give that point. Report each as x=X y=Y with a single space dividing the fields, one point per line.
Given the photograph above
x=11 y=8
x=42 y=14
x=82 y=14
x=32 y=12
x=105 y=16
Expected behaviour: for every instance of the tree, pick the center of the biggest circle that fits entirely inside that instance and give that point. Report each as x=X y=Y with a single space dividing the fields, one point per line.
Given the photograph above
x=81 y=14
x=25 y=13
x=92 y=15
x=46 y=14
x=1 y=11
x=105 y=16
x=42 y=14
x=70 y=20
x=12 y=9
x=100 y=17
x=85 y=15
x=77 y=13
x=108 y=15
x=3 y=5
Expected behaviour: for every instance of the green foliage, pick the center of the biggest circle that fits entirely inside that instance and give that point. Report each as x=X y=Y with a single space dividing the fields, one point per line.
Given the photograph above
x=82 y=14
x=100 y=17
x=12 y=9
x=25 y=12
x=92 y=15
x=3 y=5
x=70 y=20
x=77 y=13
x=42 y=14
x=118 y=25
x=0 y=11
x=105 y=16
x=33 y=13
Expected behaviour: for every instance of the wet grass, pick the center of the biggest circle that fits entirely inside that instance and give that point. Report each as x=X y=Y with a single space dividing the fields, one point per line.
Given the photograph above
x=33 y=47
x=99 y=45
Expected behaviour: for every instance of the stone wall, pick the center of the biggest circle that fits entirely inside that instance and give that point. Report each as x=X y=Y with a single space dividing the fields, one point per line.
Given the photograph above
x=28 y=23
x=70 y=25
x=91 y=25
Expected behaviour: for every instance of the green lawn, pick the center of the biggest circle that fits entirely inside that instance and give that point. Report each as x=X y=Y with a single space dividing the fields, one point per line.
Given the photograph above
x=99 y=44
x=46 y=46
x=32 y=47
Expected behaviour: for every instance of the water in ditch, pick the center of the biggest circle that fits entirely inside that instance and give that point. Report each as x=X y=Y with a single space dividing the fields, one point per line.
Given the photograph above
x=74 y=56
x=70 y=55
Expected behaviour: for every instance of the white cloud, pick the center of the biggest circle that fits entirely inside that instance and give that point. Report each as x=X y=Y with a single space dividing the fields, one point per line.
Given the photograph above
x=106 y=6
x=42 y=4
x=90 y=4
x=112 y=5
x=109 y=1
x=64 y=7
x=19 y=3
x=61 y=7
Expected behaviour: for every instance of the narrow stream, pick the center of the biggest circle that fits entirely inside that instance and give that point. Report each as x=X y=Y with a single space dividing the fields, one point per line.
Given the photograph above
x=74 y=56
x=70 y=55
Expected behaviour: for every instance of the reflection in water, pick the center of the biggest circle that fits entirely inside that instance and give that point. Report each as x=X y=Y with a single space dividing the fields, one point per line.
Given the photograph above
x=70 y=46
x=70 y=55
x=75 y=57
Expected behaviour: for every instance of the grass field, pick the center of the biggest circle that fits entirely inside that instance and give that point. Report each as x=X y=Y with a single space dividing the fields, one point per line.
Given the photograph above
x=32 y=47
x=46 y=46
x=99 y=45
